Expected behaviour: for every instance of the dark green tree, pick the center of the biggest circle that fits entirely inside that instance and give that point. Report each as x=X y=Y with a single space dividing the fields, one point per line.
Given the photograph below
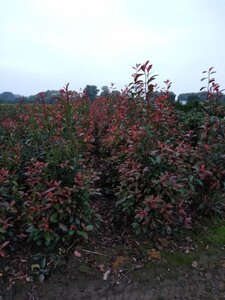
x=91 y=91
x=193 y=97
x=9 y=97
x=105 y=91
x=171 y=97
x=115 y=93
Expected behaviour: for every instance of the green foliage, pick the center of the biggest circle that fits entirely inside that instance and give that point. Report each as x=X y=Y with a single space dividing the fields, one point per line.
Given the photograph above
x=105 y=91
x=8 y=97
x=193 y=98
x=91 y=91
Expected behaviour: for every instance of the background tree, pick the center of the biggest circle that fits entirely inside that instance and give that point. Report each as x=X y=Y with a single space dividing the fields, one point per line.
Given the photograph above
x=193 y=97
x=115 y=93
x=91 y=91
x=105 y=91
x=172 y=97
x=9 y=97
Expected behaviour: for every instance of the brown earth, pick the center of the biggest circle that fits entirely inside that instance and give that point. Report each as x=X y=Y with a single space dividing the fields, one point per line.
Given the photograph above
x=182 y=283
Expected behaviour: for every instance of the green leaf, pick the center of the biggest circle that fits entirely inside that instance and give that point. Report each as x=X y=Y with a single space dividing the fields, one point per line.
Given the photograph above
x=47 y=242
x=199 y=182
x=43 y=263
x=37 y=256
x=47 y=236
x=201 y=206
x=191 y=186
x=34 y=267
x=30 y=229
x=89 y=228
x=83 y=234
x=71 y=232
x=2 y=230
x=54 y=218
x=158 y=159
x=39 y=242
x=63 y=227
x=77 y=220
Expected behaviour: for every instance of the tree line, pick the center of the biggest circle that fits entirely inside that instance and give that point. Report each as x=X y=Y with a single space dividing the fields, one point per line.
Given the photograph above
x=92 y=92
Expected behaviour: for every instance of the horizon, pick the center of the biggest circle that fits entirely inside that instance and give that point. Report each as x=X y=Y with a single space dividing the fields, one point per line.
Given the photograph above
x=45 y=44
x=176 y=95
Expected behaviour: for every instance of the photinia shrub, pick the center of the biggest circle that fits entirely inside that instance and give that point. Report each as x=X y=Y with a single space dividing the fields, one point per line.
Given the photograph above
x=166 y=165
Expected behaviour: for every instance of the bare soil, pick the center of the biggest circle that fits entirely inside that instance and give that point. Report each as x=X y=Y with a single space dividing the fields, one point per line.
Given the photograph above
x=207 y=281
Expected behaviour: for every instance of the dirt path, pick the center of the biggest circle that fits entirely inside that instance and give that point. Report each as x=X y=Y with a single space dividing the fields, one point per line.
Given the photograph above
x=182 y=283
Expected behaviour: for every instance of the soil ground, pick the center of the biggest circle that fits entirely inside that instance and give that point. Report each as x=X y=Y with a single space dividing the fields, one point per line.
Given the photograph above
x=205 y=282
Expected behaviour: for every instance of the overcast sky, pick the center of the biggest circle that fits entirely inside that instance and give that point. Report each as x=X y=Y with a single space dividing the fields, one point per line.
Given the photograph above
x=45 y=44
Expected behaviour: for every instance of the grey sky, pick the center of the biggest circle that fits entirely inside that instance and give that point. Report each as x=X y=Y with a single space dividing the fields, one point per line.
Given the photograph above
x=46 y=43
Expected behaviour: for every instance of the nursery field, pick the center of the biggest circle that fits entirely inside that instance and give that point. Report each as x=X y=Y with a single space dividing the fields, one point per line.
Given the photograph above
x=81 y=179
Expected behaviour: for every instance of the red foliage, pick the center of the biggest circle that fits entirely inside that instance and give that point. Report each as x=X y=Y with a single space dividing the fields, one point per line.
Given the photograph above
x=165 y=172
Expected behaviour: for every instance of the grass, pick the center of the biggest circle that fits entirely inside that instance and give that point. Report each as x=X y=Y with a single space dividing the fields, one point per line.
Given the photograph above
x=206 y=249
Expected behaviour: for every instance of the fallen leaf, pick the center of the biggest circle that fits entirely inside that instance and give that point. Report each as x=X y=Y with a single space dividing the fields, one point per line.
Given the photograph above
x=137 y=267
x=154 y=255
x=120 y=260
x=101 y=267
x=106 y=274
x=162 y=242
x=29 y=279
x=41 y=277
x=221 y=285
x=194 y=264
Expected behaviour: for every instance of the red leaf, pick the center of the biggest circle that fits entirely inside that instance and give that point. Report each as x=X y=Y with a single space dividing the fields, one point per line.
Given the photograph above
x=143 y=68
x=139 y=81
x=77 y=253
x=5 y=244
x=147 y=62
x=2 y=253
x=149 y=68
x=136 y=76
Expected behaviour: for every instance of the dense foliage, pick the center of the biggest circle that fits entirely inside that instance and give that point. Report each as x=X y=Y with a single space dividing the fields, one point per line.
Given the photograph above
x=166 y=164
